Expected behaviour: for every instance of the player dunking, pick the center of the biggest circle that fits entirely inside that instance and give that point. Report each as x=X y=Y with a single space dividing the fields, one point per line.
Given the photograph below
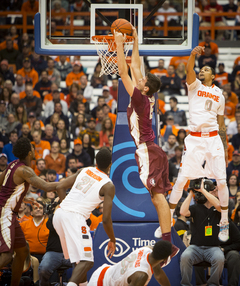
x=207 y=138
x=90 y=188
x=137 y=268
x=151 y=159
x=14 y=182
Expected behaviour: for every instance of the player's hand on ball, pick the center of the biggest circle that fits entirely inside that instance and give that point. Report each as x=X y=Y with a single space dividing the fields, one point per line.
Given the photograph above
x=111 y=249
x=119 y=37
x=134 y=32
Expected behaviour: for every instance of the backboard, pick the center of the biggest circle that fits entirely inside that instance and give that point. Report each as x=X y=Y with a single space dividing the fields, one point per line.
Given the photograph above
x=165 y=28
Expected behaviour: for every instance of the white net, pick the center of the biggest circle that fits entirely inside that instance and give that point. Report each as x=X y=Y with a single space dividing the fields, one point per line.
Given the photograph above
x=106 y=49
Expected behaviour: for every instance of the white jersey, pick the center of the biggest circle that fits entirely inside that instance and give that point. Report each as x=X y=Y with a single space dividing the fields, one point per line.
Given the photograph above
x=205 y=103
x=84 y=195
x=117 y=275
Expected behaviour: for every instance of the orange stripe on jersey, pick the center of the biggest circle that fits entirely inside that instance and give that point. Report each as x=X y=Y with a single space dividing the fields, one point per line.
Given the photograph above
x=94 y=176
x=101 y=276
x=149 y=262
x=140 y=254
x=208 y=94
x=87 y=249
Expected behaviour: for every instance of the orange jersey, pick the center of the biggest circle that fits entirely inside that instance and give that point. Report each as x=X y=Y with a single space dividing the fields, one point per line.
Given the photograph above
x=3 y=45
x=39 y=148
x=33 y=75
x=222 y=78
x=41 y=124
x=72 y=77
x=22 y=94
x=229 y=109
x=237 y=61
x=233 y=98
x=57 y=59
x=113 y=117
x=26 y=7
x=159 y=73
x=230 y=152
x=34 y=234
x=95 y=220
x=58 y=165
x=175 y=61
x=48 y=97
x=161 y=106
x=213 y=46
x=174 y=130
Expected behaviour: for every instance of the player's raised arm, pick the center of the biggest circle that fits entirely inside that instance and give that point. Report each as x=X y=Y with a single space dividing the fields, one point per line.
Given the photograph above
x=122 y=65
x=135 y=60
x=191 y=75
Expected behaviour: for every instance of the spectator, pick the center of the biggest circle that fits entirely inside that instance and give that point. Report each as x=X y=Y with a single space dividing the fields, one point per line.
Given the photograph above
x=43 y=86
x=230 y=7
x=31 y=102
x=83 y=158
x=5 y=95
x=36 y=126
x=49 y=108
x=72 y=161
x=42 y=148
x=87 y=146
x=75 y=75
x=62 y=132
x=49 y=97
x=54 y=120
x=28 y=72
x=181 y=225
x=160 y=70
x=53 y=74
x=5 y=71
x=178 y=115
x=3 y=139
x=73 y=91
x=38 y=62
x=57 y=8
x=36 y=231
x=107 y=113
x=175 y=61
x=79 y=99
x=236 y=85
x=207 y=59
x=208 y=42
x=177 y=158
x=203 y=247
x=100 y=117
x=63 y=66
x=9 y=53
x=14 y=102
x=85 y=88
x=3 y=115
x=24 y=54
x=49 y=131
x=40 y=167
x=109 y=100
x=19 y=84
x=171 y=84
x=222 y=77
x=236 y=138
x=181 y=73
x=30 y=6
x=7 y=149
x=218 y=21
x=21 y=213
x=169 y=128
x=24 y=39
x=100 y=103
x=21 y=114
x=64 y=147
x=31 y=119
x=170 y=145
x=58 y=110
x=234 y=165
x=78 y=125
x=114 y=87
x=232 y=96
x=13 y=124
x=180 y=137
x=55 y=160
x=23 y=93
x=107 y=129
x=230 y=108
x=54 y=32
x=3 y=162
x=98 y=81
x=91 y=130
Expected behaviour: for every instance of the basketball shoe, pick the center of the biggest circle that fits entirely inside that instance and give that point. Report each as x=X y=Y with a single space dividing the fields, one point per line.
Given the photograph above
x=224 y=231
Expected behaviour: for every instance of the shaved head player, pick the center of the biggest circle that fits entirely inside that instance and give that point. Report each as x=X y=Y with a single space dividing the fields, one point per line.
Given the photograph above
x=14 y=182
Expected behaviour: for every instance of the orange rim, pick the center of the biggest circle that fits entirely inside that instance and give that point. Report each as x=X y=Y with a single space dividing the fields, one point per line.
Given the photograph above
x=110 y=38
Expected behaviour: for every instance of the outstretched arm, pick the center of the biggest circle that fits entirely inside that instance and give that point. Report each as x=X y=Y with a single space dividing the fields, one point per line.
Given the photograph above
x=222 y=134
x=160 y=276
x=122 y=65
x=191 y=75
x=135 y=60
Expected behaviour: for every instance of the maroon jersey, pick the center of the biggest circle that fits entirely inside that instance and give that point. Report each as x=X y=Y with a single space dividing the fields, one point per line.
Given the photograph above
x=11 y=195
x=139 y=113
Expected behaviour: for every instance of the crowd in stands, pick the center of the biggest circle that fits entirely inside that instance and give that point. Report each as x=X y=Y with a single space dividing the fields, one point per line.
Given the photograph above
x=67 y=129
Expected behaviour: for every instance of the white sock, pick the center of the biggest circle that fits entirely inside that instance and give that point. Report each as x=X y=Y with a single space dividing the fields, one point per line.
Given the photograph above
x=224 y=215
x=172 y=212
x=71 y=284
x=83 y=284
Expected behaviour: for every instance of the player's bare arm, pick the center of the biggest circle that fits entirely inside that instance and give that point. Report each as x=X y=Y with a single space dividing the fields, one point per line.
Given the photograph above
x=25 y=173
x=138 y=278
x=108 y=191
x=222 y=133
x=160 y=276
x=135 y=60
x=122 y=65
x=191 y=75
x=66 y=184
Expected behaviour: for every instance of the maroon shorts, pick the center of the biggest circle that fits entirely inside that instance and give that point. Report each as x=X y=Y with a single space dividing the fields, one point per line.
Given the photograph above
x=11 y=234
x=153 y=167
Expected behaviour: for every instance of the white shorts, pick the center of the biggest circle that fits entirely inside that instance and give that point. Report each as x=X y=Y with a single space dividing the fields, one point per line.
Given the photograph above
x=74 y=235
x=199 y=149
x=94 y=278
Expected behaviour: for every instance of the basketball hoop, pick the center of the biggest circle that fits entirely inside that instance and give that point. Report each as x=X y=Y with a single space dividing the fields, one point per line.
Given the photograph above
x=107 y=51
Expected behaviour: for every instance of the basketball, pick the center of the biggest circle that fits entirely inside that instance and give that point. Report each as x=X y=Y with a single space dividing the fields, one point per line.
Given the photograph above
x=122 y=26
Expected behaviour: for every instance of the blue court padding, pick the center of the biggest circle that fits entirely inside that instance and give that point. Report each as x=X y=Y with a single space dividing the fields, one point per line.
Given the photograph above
x=130 y=236
x=132 y=201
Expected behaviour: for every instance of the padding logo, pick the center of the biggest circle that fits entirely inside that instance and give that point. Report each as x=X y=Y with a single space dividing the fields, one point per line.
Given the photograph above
x=121 y=249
